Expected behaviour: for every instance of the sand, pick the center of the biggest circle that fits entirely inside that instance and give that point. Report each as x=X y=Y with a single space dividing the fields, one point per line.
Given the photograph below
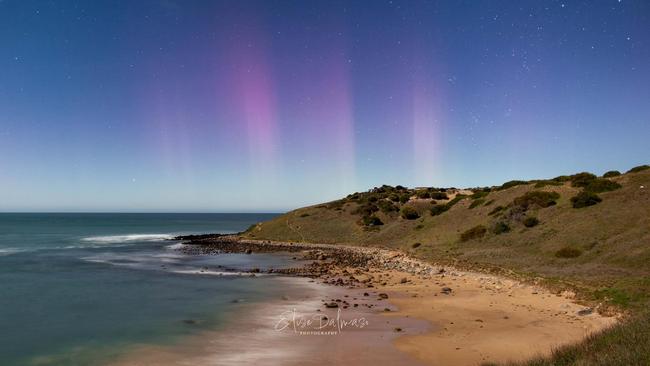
x=481 y=318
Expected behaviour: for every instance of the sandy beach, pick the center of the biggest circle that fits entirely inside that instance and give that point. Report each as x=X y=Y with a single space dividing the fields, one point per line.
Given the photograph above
x=363 y=306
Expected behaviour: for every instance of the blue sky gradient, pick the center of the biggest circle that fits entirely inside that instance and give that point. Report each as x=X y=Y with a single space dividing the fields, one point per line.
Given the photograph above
x=230 y=106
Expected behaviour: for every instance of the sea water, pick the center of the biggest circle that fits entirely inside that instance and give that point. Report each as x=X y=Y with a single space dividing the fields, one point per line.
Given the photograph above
x=79 y=289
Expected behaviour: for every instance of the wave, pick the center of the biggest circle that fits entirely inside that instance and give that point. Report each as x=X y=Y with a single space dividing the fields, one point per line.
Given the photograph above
x=175 y=246
x=111 y=239
x=214 y=273
x=9 y=251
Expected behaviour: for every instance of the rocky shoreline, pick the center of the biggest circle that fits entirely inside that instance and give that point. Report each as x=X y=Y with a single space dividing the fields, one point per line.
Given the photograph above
x=339 y=265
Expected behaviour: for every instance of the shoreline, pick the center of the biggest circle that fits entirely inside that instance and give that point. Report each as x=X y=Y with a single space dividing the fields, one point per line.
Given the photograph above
x=435 y=314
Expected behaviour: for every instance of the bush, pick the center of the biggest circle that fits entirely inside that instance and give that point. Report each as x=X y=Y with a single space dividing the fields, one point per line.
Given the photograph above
x=585 y=199
x=439 y=196
x=415 y=245
x=544 y=183
x=568 y=252
x=611 y=173
x=438 y=209
x=423 y=194
x=473 y=233
x=409 y=213
x=500 y=228
x=477 y=203
x=582 y=179
x=639 y=168
x=479 y=194
x=561 y=178
x=601 y=185
x=304 y=215
x=404 y=198
x=512 y=183
x=496 y=210
x=488 y=203
x=371 y=221
x=367 y=209
x=386 y=206
x=531 y=221
x=540 y=198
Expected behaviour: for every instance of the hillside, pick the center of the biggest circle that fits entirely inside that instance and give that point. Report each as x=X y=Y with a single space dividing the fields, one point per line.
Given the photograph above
x=597 y=244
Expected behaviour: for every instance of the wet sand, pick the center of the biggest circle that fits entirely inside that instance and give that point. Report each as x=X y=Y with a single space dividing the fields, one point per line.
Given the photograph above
x=416 y=314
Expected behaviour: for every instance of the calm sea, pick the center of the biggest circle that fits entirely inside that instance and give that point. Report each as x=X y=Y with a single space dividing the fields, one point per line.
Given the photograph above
x=76 y=289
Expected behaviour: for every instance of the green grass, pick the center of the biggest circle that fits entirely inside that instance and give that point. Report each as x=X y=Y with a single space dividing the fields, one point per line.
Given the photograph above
x=473 y=233
x=612 y=269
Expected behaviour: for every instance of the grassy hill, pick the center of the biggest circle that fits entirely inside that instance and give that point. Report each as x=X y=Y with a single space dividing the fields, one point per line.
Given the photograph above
x=589 y=233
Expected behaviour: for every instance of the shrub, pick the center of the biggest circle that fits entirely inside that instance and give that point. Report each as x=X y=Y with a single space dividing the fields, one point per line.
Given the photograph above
x=419 y=227
x=639 y=168
x=585 y=199
x=479 y=194
x=477 y=203
x=568 y=252
x=304 y=215
x=582 y=179
x=512 y=183
x=540 y=198
x=404 y=198
x=488 y=203
x=371 y=221
x=386 y=206
x=415 y=245
x=531 y=221
x=433 y=202
x=409 y=213
x=423 y=194
x=611 y=173
x=544 y=183
x=496 y=210
x=394 y=197
x=438 y=209
x=473 y=233
x=561 y=178
x=367 y=209
x=601 y=185
x=500 y=228
x=439 y=196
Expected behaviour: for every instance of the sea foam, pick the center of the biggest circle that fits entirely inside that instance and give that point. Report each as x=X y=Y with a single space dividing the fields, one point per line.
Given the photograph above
x=128 y=238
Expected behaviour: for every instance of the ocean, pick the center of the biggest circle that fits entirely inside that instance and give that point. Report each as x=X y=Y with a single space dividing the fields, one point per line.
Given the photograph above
x=80 y=289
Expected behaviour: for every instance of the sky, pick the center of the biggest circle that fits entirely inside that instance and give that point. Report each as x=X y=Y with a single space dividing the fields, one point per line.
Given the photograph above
x=265 y=106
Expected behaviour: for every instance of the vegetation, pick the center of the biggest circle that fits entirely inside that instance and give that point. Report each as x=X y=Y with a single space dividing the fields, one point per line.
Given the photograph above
x=512 y=183
x=639 y=168
x=603 y=254
x=602 y=185
x=473 y=233
x=477 y=203
x=500 y=228
x=371 y=221
x=611 y=174
x=496 y=210
x=568 y=252
x=585 y=199
x=542 y=199
x=582 y=179
x=439 y=196
x=530 y=221
x=409 y=213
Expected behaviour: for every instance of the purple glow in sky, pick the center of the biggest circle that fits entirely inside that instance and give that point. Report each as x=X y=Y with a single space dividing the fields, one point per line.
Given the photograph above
x=270 y=105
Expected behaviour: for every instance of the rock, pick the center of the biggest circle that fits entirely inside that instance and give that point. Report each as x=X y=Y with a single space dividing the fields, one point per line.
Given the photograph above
x=331 y=305
x=403 y=280
x=366 y=294
x=386 y=309
x=585 y=311
x=398 y=329
x=248 y=251
x=446 y=290
x=189 y=321
x=383 y=296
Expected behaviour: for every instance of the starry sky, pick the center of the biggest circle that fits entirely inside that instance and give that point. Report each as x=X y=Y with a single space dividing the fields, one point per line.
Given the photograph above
x=264 y=106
